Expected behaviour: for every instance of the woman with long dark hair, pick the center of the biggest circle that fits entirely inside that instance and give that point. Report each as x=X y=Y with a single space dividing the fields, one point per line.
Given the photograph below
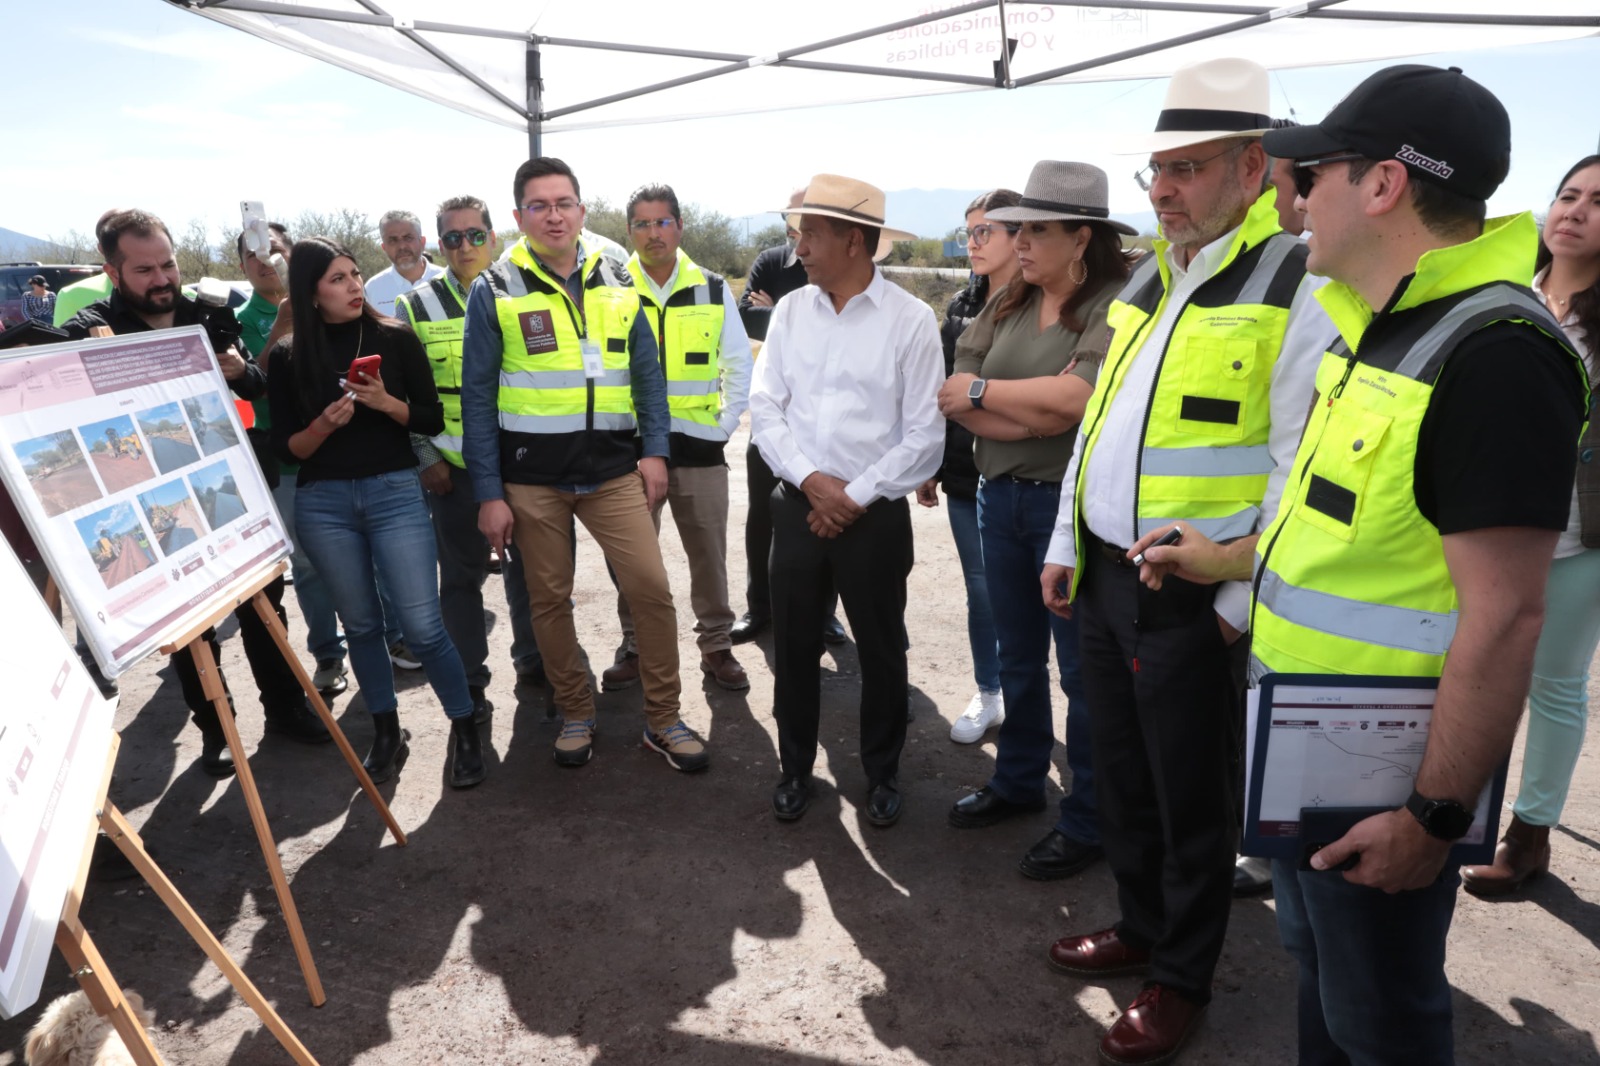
x=1024 y=371
x=358 y=500
x=992 y=253
x=1558 y=702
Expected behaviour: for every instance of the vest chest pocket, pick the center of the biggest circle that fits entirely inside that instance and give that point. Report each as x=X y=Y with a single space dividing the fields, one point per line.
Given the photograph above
x=1216 y=386
x=1335 y=487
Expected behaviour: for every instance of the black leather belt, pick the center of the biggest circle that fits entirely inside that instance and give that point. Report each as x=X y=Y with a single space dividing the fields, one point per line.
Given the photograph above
x=1110 y=552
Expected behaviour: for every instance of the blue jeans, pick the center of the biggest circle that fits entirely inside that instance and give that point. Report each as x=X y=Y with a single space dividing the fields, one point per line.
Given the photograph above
x=323 y=639
x=1372 y=983
x=349 y=528
x=980 y=622
x=1016 y=519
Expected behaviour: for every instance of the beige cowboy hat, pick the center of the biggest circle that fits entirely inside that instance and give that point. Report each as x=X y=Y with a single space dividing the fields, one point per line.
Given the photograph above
x=833 y=196
x=1206 y=102
x=1063 y=192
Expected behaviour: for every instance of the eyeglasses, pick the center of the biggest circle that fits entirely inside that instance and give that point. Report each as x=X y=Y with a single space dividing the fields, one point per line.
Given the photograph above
x=453 y=239
x=979 y=235
x=645 y=225
x=1181 y=171
x=537 y=208
x=1304 y=179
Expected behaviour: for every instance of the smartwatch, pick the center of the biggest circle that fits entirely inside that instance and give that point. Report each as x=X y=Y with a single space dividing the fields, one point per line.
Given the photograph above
x=975 y=392
x=1443 y=819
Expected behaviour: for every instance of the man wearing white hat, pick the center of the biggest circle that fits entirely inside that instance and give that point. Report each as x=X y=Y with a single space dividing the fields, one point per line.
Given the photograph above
x=1194 y=424
x=844 y=410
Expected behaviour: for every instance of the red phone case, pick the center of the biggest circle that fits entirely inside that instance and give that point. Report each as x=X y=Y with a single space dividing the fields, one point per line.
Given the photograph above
x=365 y=367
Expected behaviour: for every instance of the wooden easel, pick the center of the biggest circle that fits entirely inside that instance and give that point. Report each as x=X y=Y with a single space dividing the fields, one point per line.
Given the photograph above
x=205 y=664
x=90 y=968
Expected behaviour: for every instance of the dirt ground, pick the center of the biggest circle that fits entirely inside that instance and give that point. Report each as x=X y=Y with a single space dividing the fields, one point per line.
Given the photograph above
x=623 y=913
x=62 y=490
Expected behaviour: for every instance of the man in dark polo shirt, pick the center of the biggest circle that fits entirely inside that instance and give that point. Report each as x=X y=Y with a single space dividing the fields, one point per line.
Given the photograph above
x=145 y=297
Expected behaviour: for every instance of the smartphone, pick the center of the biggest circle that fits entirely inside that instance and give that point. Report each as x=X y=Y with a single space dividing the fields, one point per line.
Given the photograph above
x=1171 y=536
x=364 y=367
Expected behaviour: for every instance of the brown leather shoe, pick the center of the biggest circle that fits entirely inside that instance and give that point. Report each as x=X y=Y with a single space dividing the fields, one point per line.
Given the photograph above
x=725 y=670
x=1523 y=853
x=1152 y=1031
x=623 y=674
x=1101 y=954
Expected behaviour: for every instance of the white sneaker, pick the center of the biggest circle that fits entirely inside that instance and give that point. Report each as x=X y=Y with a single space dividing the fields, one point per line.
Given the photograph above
x=986 y=709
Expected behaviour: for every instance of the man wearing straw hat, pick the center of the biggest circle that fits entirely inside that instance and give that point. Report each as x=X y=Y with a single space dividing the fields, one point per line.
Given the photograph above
x=1193 y=425
x=844 y=410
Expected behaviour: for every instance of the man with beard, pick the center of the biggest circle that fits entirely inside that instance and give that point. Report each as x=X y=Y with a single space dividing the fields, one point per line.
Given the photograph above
x=402 y=241
x=145 y=297
x=1194 y=424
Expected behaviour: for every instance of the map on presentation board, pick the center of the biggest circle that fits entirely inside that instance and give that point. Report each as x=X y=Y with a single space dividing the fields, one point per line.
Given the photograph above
x=127 y=460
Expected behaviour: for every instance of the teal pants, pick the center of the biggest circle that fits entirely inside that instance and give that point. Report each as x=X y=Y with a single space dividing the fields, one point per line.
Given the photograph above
x=1558 y=701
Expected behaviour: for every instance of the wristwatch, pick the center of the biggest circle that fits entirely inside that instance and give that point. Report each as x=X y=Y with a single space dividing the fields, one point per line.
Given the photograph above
x=975 y=392
x=1444 y=819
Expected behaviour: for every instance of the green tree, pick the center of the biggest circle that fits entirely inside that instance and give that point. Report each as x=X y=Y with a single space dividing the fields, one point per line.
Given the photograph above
x=348 y=227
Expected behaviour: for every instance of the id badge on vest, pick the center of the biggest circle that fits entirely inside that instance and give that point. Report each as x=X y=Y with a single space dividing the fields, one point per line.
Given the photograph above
x=594 y=363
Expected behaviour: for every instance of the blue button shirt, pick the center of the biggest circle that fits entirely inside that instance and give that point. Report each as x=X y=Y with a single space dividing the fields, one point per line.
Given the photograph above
x=481 y=351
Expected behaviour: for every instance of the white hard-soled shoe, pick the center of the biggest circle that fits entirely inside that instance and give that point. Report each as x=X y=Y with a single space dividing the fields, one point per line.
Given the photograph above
x=986 y=709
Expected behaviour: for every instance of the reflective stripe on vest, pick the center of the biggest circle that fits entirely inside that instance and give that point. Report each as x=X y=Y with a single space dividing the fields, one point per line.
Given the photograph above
x=1204 y=455
x=441 y=325
x=689 y=334
x=543 y=387
x=1351 y=576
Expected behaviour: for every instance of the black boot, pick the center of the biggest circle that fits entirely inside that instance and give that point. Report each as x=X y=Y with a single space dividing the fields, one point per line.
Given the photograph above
x=389 y=747
x=466 y=754
x=216 y=758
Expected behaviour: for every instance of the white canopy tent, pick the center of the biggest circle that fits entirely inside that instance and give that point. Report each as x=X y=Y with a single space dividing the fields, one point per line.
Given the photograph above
x=548 y=66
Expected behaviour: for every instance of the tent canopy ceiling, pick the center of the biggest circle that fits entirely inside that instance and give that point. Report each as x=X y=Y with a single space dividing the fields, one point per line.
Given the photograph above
x=551 y=66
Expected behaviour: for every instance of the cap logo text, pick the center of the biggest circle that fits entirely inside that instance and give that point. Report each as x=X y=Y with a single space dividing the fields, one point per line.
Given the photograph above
x=1408 y=154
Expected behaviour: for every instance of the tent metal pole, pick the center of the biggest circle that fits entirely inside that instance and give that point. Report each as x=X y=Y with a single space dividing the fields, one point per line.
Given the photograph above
x=268 y=7
x=535 y=101
x=1305 y=9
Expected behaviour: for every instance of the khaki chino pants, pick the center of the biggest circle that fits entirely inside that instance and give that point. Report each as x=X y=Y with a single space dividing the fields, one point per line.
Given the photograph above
x=615 y=515
x=698 y=496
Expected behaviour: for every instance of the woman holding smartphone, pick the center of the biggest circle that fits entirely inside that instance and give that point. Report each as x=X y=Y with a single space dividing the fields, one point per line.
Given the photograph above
x=358 y=500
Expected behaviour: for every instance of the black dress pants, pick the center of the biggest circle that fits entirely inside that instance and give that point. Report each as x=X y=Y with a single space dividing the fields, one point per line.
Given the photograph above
x=281 y=694
x=1163 y=729
x=869 y=563
x=759 y=482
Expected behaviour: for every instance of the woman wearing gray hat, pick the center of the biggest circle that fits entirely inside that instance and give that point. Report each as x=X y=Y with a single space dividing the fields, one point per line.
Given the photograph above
x=1023 y=373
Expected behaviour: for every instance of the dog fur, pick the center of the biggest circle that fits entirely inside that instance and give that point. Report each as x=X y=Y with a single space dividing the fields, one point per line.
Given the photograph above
x=70 y=1033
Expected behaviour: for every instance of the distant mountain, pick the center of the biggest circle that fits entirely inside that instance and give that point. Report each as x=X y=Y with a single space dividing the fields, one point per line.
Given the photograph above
x=13 y=245
x=935 y=212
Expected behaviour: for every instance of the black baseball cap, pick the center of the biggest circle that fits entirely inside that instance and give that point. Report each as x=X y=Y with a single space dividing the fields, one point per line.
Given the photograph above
x=1446 y=128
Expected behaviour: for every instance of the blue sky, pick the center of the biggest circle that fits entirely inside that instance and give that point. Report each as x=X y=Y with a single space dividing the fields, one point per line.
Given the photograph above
x=136 y=103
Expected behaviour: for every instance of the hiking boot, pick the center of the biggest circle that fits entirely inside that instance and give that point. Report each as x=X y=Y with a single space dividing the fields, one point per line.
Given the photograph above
x=575 y=745
x=623 y=674
x=679 y=745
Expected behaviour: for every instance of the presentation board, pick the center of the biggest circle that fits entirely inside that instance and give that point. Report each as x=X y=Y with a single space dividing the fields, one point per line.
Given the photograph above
x=127 y=460
x=55 y=734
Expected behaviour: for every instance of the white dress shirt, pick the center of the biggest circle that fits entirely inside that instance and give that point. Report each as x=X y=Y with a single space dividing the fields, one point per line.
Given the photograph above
x=852 y=393
x=1110 y=481
x=733 y=350
x=384 y=287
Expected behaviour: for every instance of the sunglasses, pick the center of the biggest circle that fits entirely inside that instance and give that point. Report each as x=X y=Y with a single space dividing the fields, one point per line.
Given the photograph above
x=1304 y=179
x=645 y=225
x=453 y=239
